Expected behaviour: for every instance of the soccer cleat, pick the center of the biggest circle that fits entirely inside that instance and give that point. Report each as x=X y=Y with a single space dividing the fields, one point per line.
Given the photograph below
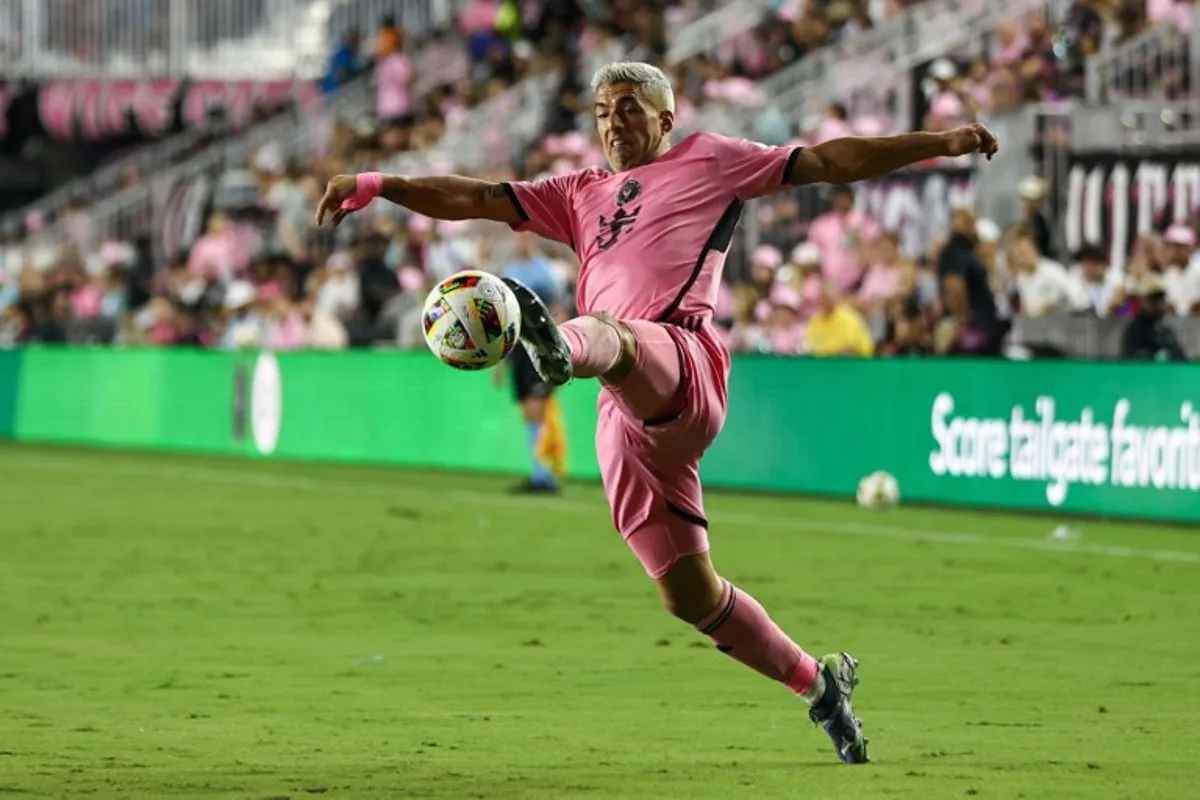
x=548 y=350
x=833 y=712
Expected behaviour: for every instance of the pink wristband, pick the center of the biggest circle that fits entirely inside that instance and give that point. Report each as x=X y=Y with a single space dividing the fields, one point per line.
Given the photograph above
x=367 y=186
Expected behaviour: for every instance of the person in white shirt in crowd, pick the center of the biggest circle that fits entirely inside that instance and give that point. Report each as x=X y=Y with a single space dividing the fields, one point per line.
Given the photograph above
x=335 y=287
x=1032 y=191
x=1042 y=284
x=987 y=248
x=246 y=328
x=1181 y=271
x=1096 y=291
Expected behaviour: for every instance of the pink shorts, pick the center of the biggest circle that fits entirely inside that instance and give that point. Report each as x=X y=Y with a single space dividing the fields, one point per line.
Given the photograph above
x=650 y=467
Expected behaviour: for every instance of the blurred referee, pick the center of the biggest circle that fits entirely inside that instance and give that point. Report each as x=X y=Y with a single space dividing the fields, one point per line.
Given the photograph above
x=547 y=445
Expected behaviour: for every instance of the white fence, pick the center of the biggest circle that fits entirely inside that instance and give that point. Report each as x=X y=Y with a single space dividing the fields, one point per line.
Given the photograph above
x=141 y=38
x=1160 y=62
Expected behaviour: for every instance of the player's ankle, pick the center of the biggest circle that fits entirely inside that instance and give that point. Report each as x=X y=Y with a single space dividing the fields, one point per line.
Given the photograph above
x=815 y=692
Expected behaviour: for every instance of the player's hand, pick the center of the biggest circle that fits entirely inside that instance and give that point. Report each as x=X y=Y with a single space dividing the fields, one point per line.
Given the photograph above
x=973 y=138
x=498 y=377
x=340 y=188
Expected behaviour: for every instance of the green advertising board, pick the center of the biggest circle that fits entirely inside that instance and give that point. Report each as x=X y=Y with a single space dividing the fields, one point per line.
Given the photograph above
x=1114 y=439
x=10 y=371
x=1086 y=437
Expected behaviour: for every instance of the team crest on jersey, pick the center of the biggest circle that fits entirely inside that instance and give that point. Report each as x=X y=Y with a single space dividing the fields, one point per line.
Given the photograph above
x=628 y=192
x=623 y=218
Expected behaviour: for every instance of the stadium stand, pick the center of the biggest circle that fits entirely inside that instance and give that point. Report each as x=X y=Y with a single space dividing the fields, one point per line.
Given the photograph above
x=204 y=238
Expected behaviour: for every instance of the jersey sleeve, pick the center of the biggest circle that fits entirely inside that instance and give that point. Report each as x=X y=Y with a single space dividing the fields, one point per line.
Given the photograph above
x=546 y=207
x=753 y=169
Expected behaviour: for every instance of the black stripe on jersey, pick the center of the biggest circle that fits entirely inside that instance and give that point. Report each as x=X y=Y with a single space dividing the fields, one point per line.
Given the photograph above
x=791 y=162
x=719 y=240
x=512 y=195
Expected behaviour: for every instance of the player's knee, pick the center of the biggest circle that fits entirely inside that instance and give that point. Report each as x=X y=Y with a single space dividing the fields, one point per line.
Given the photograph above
x=628 y=355
x=691 y=589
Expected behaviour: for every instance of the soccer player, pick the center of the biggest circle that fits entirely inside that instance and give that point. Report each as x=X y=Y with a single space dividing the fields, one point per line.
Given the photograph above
x=539 y=407
x=651 y=236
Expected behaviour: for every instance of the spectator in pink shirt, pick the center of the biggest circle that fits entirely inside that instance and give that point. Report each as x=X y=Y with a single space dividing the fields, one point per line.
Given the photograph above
x=946 y=107
x=776 y=327
x=785 y=329
x=839 y=234
x=885 y=276
x=219 y=253
x=1010 y=45
x=479 y=17
x=393 y=77
x=285 y=326
x=835 y=125
x=1177 y=11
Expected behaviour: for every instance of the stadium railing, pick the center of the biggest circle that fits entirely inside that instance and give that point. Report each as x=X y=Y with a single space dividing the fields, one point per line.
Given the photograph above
x=1161 y=61
x=222 y=39
x=1093 y=338
x=226 y=39
x=871 y=71
x=415 y=16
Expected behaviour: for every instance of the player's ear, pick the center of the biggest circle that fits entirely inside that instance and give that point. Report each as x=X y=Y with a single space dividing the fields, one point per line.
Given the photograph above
x=667 y=120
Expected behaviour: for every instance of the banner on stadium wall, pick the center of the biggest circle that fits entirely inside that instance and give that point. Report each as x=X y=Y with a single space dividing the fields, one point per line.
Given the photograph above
x=10 y=371
x=100 y=109
x=1112 y=198
x=1079 y=437
x=1095 y=438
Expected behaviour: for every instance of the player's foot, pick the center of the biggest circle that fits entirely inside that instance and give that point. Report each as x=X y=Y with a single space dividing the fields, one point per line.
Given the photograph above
x=535 y=487
x=548 y=350
x=833 y=712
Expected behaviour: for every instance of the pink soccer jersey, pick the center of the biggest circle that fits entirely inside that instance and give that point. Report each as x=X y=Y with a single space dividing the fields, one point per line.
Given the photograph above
x=652 y=241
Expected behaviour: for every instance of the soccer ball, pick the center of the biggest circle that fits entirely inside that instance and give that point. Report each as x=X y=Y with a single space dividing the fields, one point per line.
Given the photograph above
x=878 y=490
x=471 y=320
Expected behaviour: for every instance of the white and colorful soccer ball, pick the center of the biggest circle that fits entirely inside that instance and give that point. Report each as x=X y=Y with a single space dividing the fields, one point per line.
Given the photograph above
x=878 y=490
x=471 y=320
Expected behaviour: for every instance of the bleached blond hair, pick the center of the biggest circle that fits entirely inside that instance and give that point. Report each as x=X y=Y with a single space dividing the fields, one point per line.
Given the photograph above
x=652 y=83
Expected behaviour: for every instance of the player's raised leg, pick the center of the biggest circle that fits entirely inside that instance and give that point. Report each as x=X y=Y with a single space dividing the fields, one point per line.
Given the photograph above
x=599 y=346
x=740 y=627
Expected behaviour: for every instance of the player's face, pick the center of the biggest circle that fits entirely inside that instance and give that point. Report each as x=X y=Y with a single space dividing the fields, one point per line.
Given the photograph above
x=631 y=130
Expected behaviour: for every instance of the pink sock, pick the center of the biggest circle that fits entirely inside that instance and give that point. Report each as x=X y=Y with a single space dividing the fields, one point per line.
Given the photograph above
x=595 y=346
x=741 y=629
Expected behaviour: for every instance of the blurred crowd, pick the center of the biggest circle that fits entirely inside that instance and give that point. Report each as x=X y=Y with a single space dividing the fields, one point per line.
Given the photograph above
x=1030 y=60
x=259 y=274
x=850 y=290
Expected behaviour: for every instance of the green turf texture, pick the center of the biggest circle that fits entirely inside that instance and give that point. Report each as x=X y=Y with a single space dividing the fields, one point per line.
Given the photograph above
x=179 y=627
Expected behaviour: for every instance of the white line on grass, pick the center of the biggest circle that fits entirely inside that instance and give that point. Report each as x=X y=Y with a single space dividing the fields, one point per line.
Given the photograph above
x=243 y=477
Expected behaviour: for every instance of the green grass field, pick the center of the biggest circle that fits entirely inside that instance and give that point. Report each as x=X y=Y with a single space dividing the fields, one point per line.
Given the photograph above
x=199 y=628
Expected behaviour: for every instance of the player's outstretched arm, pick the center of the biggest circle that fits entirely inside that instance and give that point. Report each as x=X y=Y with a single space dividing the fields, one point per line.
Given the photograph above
x=856 y=159
x=438 y=196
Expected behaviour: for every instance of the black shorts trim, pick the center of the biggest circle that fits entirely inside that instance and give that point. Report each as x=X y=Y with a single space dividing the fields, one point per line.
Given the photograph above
x=719 y=240
x=695 y=519
x=719 y=620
